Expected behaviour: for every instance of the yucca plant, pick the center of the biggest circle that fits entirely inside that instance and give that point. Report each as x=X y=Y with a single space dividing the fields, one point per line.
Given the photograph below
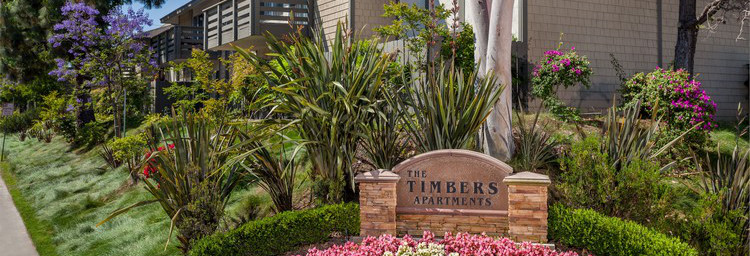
x=328 y=93
x=728 y=177
x=275 y=172
x=446 y=108
x=535 y=148
x=627 y=137
x=385 y=142
x=190 y=174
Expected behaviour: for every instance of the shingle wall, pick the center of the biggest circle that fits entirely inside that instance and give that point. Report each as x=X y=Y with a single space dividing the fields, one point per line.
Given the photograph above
x=628 y=29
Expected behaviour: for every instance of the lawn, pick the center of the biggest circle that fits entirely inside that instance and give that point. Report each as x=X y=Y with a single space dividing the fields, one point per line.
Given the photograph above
x=62 y=194
x=72 y=192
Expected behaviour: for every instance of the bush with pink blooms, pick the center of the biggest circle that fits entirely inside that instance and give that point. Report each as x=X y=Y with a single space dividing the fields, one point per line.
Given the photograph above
x=677 y=99
x=460 y=244
x=560 y=68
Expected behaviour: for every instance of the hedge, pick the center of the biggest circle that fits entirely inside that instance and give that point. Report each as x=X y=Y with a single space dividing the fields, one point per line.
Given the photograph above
x=282 y=232
x=603 y=235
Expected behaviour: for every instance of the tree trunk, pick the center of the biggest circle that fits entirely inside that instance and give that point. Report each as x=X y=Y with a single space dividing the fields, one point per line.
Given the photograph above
x=687 y=37
x=117 y=117
x=494 y=24
x=85 y=112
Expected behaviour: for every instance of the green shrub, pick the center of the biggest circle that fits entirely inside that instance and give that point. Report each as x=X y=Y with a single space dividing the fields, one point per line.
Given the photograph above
x=18 y=122
x=589 y=180
x=282 y=232
x=130 y=150
x=602 y=235
x=91 y=134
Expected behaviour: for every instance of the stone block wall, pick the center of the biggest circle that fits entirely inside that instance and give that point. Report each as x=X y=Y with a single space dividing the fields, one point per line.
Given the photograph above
x=527 y=212
x=415 y=224
x=377 y=204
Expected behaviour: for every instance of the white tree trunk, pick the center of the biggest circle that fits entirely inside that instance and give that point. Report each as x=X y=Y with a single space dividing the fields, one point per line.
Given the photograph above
x=477 y=14
x=493 y=25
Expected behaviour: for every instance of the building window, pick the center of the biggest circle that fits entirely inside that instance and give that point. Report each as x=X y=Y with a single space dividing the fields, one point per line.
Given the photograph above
x=198 y=21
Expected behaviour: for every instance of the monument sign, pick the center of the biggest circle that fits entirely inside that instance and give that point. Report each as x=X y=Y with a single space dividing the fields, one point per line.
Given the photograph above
x=454 y=191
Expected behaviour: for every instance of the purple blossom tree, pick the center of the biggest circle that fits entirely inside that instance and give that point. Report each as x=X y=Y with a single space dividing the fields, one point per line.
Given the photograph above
x=113 y=55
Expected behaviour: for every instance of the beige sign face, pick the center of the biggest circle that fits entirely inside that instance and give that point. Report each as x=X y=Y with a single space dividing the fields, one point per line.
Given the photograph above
x=452 y=181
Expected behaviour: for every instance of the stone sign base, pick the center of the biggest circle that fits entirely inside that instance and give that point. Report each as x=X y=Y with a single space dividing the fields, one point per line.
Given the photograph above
x=524 y=221
x=414 y=224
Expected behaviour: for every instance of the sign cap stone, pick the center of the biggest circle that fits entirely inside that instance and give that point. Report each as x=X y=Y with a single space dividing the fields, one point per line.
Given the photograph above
x=379 y=175
x=527 y=178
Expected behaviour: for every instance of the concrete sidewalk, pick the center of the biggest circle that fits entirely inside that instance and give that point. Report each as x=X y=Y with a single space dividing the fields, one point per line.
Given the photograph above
x=14 y=239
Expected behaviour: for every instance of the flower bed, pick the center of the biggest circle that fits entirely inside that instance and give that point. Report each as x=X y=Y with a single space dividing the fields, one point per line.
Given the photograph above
x=460 y=244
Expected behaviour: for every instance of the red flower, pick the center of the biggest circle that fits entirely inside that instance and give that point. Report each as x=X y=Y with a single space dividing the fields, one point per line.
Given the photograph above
x=171 y=146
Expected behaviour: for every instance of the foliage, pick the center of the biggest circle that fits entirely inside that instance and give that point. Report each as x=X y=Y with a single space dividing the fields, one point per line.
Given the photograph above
x=710 y=228
x=202 y=69
x=449 y=107
x=192 y=178
x=628 y=138
x=41 y=131
x=535 y=148
x=588 y=180
x=91 y=134
x=99 y=55
x=602 y=235
x=129 y=150
x=560 y=68
x=677 y=98
x=18 y=122
x=276 y=172
x=108 y=155
x=419 y=28
x=68 y=191
x=23 y=29
x=27 y=94
x=460 y=244
x=282 y=232
x=328 y=94
x=249 y=89
x=385 y=142
x=727 y=178
x=52 y=116
x=460 y=48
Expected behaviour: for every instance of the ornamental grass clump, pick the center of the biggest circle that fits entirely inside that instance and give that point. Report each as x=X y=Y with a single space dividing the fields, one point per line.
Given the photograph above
x=675 y=97
x=460 y=244
x=560 y=68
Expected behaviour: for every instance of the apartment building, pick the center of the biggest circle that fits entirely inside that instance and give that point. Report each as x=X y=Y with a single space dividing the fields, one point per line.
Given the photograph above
x=640 y=34
x=218 y=25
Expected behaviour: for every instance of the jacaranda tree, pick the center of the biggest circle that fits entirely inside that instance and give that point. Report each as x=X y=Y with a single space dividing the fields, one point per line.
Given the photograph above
x=111 y=55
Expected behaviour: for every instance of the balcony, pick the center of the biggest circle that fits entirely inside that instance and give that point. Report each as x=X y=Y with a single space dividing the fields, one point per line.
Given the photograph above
x=174 y=43
x=245 y=22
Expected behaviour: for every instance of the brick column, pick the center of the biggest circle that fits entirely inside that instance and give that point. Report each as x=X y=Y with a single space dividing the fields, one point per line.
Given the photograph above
x=527 y=207
x=377 y=202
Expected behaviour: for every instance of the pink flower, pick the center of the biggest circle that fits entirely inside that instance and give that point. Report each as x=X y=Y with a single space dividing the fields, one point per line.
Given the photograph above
x=555 y=68
x=461 y=243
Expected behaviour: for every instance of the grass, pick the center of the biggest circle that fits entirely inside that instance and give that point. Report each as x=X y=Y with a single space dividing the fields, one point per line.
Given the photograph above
x=62 y=194
x=726 y=137
x=68 y=193
x=38 y=229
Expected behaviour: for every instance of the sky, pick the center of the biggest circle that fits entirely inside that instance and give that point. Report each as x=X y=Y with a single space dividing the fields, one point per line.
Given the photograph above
x=156 y=13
